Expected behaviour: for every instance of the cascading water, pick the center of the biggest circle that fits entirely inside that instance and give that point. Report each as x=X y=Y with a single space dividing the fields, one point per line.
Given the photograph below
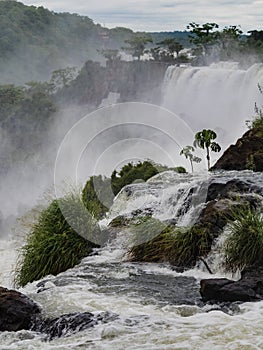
x=157 y=307
x=220 y=97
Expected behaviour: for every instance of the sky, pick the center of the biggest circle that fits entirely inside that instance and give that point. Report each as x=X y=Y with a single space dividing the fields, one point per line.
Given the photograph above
x=162 y=15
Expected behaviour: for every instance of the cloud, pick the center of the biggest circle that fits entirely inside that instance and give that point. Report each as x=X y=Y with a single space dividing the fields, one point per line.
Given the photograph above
x=162 y=15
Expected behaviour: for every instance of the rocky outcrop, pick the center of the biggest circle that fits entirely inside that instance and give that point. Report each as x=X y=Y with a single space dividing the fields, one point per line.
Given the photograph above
x=247 y=153
x=248 y=288
x=138 y=81
x=222 y=200
x=68 y=324
x=17 y=311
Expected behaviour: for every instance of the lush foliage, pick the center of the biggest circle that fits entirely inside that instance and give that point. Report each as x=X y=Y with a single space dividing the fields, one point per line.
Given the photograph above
x=203 y=139
x=211 y=45
x=244 y=244
x=52 y=245
x=137 y=44
x=139 y=171
x=35 y=41
x=178 y=245
x=97 y=195
x=25 y=115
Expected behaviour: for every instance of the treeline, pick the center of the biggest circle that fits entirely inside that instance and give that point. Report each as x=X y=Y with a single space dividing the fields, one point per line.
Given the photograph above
x=35 y=41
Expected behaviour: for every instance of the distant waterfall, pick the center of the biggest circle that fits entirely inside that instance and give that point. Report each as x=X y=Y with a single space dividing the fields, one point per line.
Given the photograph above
x=221 y=97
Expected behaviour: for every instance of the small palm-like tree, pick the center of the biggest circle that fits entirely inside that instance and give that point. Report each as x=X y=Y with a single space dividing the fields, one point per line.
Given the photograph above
x=187 y=152
x=203 y=139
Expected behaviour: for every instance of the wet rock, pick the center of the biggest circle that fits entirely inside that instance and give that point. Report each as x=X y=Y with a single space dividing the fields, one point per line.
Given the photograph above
x=232 y=189
x=68 y=324
x=248 y=288
x=223 y=199
x=247 y=153
x=17 y=311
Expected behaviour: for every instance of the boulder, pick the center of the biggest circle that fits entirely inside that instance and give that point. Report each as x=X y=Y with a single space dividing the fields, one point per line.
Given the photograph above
x=71 y=323
x=17 y=311
x=247 y=153
x=248 y=288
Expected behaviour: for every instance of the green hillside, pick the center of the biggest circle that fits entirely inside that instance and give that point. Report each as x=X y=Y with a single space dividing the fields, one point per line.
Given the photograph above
x=35 y=41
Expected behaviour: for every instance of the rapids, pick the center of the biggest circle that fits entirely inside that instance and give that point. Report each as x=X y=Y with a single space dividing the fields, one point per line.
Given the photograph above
x=158 y=307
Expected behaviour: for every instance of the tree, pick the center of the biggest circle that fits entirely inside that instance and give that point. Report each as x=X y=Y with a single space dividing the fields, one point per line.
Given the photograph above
x=203 y=36
x=254 y=43
x=230 y=41
x=187 y=152
x=203 y=139
x=63 y=77
x=110 y=54
x=137 y=44
x=172 y=45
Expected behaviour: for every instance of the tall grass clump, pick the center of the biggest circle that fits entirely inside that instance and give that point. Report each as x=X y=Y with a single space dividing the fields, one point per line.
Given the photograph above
x=52 y=245
x=179 y=246
x=244 y=245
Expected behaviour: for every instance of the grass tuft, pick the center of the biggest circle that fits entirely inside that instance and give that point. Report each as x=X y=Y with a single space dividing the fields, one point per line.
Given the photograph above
x=179 y=246
x=52 y=246
x=244 y=245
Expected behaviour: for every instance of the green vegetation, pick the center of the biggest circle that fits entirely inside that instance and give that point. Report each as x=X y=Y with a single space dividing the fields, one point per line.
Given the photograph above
x=203 y=139
x=35 y=41
x=132 y=172
x=169 y=50
x=244 y=245
x=179 y=246
x=187 y=152
x=257 y=121
x=97 y=196
x=203 y=36
x=26 y=113
x=137 y=43
x=211 y=45
x=52 y=245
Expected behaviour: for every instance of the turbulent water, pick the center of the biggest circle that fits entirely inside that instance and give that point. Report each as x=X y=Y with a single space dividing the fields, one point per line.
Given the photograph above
x=157 y=307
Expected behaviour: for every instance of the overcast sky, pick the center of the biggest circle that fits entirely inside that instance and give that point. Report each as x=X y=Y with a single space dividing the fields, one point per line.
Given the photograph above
x=162 y=15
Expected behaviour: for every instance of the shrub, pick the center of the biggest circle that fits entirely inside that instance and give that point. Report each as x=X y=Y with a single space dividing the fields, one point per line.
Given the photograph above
x=179 y=246
x=97 y=195
x=244 y=245
x=130 y=172
x=52 y=246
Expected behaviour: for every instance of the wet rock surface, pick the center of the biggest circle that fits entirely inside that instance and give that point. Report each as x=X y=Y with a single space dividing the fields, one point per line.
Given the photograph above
x=68 y=324
x=247 y=153
x=248 y=288
x=17 y=311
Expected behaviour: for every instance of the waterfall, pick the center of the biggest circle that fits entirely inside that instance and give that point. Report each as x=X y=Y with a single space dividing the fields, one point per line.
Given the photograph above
x=166 y=196
x=220 y=97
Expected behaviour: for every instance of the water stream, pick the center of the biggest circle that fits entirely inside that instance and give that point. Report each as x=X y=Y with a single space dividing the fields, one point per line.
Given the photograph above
x=157 y=307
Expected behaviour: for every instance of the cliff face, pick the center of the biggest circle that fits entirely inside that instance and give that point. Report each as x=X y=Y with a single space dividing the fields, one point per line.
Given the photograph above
x=247 y=153
x=135 y=81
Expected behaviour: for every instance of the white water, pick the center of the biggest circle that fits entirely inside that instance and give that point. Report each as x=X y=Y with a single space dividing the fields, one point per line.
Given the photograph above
x=149 y=317
x=220 y=97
